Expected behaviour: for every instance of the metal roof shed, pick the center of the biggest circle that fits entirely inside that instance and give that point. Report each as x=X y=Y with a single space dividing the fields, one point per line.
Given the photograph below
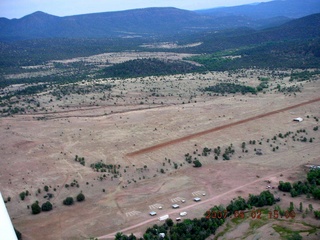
x=298 y=119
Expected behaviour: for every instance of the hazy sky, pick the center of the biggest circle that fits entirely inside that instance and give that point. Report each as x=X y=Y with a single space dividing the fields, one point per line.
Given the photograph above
x=19 y=8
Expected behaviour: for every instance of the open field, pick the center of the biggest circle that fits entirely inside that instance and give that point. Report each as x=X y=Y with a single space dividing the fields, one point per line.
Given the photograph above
x=135 y=126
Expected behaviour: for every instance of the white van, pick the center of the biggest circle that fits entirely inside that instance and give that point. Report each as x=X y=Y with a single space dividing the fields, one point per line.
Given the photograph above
x=183 y=214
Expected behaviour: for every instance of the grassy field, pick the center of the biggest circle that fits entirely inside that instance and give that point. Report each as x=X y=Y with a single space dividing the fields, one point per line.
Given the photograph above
x=104 y=120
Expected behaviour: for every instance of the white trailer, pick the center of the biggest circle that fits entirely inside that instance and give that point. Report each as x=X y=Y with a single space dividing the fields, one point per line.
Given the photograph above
x=164 y=217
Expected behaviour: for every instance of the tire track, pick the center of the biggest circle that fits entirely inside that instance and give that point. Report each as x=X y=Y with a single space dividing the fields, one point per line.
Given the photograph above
x=62 y=186
x=60 y=114
x=198 y=134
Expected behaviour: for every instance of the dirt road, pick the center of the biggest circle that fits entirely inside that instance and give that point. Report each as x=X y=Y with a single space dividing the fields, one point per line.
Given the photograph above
x=155 y=219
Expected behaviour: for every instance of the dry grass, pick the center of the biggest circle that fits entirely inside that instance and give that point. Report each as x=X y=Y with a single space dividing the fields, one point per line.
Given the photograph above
x=35 y=152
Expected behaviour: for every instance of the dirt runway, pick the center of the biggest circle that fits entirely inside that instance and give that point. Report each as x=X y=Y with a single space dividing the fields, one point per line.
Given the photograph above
x=198 y=134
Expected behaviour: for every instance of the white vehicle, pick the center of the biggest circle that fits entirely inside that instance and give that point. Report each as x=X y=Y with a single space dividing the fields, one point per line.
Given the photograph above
x=197 y=199
x=153 y=213
x=182 y=214
x=160 y=207
x=178 y=219
x=165 y=217
x=175 y=206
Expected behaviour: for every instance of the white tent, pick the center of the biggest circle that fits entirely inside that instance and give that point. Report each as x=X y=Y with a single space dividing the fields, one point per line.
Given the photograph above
x=6 y=229
x=162 y=235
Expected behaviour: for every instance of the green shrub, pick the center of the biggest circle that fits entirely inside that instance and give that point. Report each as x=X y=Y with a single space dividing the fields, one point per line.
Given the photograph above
x=68 y=201
x=22 y=195
x=80 y=197
x=35 y=208
x=47 y=206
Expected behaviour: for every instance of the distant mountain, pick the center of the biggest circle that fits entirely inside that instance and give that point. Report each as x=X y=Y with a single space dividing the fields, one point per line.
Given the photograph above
x=297 y=40
x=154 y=22
x=38 y=24
x=276 y=8
x=131 y=23
x=302 y=29
x=139 y=22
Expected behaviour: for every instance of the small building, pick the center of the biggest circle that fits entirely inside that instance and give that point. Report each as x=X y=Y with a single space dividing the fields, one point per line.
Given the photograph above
x=298 y=119
x=175 y=206
x=153 y=213
x=197 y=199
